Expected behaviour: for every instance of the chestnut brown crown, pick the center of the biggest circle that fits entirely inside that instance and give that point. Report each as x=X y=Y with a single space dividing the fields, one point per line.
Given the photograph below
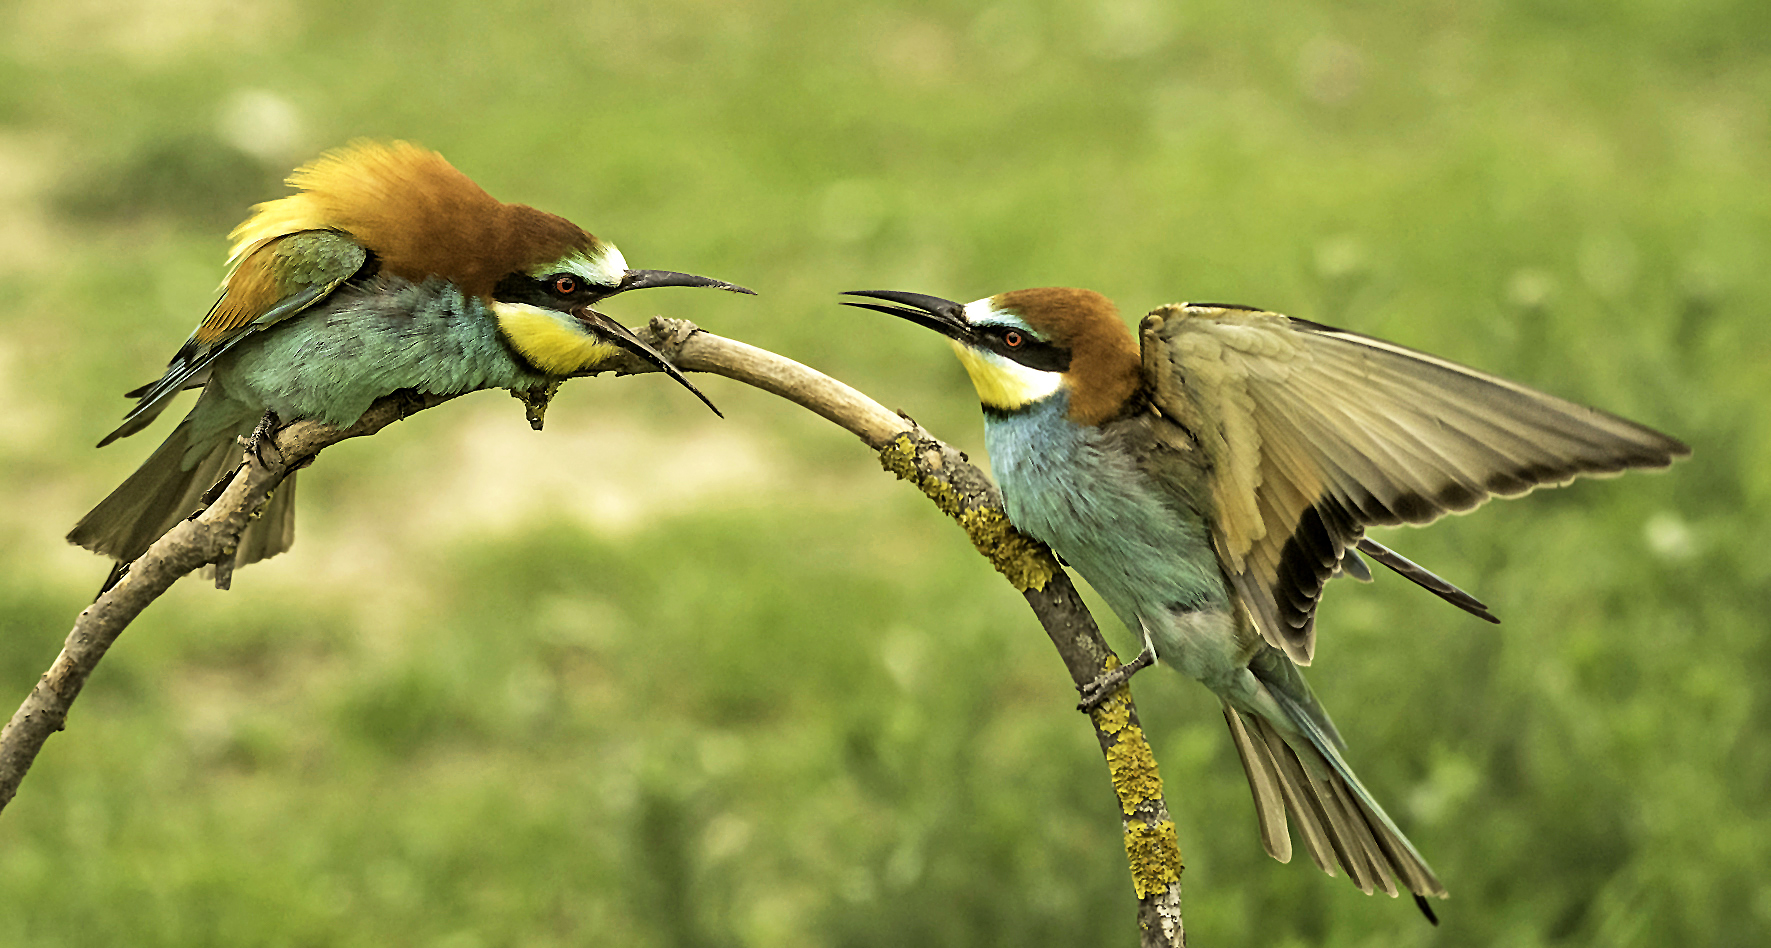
x=418 y=215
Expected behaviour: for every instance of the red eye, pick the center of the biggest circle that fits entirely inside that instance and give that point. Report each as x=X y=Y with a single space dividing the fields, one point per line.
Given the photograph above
x=565 y=285
x=1012 y=339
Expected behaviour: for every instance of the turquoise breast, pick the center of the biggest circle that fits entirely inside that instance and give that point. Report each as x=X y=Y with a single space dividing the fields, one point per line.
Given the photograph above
x=1083 y=494
x=365 y=342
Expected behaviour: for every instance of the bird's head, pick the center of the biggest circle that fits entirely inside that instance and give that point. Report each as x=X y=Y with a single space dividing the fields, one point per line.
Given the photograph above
x=419 y=218
x=1025 y=346
x=544 y=309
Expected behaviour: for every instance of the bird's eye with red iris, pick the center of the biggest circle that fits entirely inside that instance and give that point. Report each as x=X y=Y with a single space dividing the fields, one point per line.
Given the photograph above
x=565 y=285
x=1012 y=339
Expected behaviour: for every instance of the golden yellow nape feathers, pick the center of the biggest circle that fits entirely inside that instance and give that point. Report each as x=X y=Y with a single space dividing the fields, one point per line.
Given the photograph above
x=422 y=216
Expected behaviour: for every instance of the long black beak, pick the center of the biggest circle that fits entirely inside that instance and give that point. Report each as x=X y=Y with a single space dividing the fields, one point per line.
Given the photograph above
x=647 y=279
x=622 y=336
x=932 y=312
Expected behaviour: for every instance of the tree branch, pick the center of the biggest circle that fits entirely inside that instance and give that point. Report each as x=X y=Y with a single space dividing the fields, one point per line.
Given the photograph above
x=965 y=494
x=208 y=538
x=942 y=473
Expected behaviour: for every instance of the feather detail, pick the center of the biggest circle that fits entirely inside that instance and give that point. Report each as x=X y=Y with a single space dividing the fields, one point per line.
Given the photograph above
x=279 y=279
x=1312 y=434
x=419 y=214
x=1342 y=826
x=1263 y=782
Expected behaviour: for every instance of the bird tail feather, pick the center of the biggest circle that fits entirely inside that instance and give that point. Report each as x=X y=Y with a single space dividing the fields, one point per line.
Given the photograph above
x=1342 y=826
x=167 y=489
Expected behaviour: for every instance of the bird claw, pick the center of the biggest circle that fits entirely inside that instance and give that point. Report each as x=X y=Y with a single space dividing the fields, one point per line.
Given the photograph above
x=265 y=436
x=1096 y=692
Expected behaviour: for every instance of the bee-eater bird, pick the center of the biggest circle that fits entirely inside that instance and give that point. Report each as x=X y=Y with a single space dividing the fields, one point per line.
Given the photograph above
x=1209 y=482
x=387 y=270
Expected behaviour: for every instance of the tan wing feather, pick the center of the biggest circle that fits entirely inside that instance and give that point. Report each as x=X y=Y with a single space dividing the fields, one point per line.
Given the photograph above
x=1315 y=433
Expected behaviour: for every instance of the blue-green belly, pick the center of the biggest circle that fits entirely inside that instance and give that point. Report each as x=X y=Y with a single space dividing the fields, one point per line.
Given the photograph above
x=1147 y=554
x=331 y=362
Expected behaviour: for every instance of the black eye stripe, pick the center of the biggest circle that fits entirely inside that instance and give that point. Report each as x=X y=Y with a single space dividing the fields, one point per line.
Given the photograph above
x=545 y=291
x=1031 y=352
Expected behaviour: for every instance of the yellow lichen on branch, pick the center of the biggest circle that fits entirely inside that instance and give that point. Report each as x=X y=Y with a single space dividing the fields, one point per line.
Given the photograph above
x=1135 y=778
x=1155 y=856
x=1130 y=761
x=1025 y=562
x=1152 y=848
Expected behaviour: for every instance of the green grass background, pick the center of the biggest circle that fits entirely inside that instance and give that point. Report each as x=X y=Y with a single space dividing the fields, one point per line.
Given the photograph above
x=649 y=678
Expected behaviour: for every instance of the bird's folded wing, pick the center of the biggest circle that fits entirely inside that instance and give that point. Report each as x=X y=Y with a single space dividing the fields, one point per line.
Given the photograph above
x=1313 y=433
x=279 y=278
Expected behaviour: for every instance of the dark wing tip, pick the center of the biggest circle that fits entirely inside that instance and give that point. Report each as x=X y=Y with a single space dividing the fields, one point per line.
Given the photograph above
x=1420 y=902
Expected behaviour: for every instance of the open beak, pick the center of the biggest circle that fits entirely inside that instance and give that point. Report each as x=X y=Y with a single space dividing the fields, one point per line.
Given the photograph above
x=647 y=279
x=932 y=312
x=622 y=336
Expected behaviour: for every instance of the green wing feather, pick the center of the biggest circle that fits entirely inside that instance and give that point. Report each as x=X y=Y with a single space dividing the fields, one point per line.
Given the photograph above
x=280 y=278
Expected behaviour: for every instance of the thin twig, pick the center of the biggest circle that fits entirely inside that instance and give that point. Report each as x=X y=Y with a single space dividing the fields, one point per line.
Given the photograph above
x=210 y=537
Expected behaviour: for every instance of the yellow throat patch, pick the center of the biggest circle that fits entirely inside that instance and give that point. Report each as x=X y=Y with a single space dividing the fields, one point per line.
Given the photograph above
x=551 y=341
x=1004 y=384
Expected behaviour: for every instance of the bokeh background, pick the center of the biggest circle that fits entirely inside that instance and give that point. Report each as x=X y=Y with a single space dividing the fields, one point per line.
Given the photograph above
x=650 y=678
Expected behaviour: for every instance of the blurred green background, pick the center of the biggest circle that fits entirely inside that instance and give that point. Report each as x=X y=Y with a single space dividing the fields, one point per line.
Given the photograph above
x=649 y=678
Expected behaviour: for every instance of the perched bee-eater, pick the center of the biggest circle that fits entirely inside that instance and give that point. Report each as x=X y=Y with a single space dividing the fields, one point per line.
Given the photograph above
x=387 y=270
x=1208 y=485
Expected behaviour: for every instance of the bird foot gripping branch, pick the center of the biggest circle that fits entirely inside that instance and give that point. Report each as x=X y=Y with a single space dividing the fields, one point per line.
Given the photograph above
x=1098 y=691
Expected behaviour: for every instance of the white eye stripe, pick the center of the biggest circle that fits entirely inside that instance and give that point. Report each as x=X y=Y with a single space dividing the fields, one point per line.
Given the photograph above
x=981 y=313
x=605 y=267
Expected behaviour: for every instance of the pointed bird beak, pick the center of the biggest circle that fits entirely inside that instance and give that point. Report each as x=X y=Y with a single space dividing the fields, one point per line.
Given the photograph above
x=647 y=279
x=932 y=312
x=622 y=336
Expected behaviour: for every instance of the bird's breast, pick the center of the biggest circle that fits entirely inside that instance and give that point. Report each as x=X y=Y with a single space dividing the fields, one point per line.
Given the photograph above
x=368 y=341
x=1088 y=493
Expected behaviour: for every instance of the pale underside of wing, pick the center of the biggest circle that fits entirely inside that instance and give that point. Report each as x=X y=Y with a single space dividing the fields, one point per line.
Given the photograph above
x=1314 y=434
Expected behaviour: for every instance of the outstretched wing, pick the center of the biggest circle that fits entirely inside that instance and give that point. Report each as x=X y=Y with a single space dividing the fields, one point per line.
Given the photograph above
x=275 y=280
x=1314 y=434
